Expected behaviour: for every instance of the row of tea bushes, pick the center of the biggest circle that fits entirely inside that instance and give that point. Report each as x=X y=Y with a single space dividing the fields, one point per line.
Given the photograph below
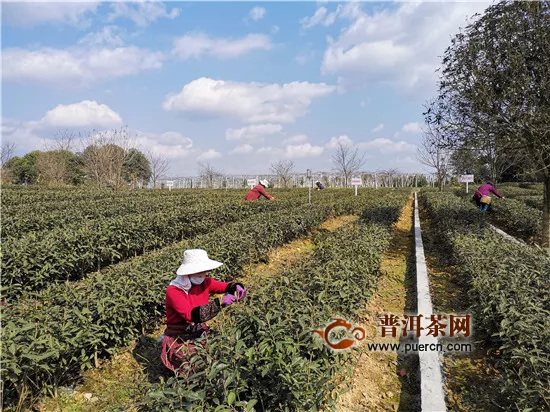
x=70 y=252
x=535 y=202
x=54 y=196
x=266 y=355
x=42 y=217
x=510 y=295
x=514 y=216
x=518 y=219
x=50 y=336
x=36 y=216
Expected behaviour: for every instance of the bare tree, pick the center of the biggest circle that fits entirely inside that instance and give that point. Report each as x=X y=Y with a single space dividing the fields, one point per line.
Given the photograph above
x=348 y=161
x=52 y=167
x=64 y=140
x=6 y=152
x=387 y=177
x=105 y=156
x=283 y=170
x=432 y=153
x=209 y=173
x=159 y=166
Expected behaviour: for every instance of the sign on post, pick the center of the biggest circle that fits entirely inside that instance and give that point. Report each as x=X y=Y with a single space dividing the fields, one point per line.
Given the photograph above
x=356 y=181
x=170 y=184
x=466 y=179
x=251 y=182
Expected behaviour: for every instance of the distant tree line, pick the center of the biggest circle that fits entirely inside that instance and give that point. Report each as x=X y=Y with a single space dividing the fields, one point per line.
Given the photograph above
x=108 y=160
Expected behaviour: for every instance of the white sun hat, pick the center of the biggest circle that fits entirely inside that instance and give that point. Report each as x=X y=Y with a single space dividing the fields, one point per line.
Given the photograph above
x=264 y=183
x=196 y=261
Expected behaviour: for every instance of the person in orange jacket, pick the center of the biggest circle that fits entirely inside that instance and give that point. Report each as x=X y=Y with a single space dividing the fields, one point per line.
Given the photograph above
x=259 y=190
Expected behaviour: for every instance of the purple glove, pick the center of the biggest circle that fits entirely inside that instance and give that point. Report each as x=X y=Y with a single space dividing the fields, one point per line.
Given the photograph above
x=241 y=293
x=228 y=299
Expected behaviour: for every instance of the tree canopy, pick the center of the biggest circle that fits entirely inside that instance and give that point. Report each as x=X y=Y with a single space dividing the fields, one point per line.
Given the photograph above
x=494 y=92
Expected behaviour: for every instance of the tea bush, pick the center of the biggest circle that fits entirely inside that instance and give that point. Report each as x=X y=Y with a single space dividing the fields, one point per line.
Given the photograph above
x=510 y=295
x=68 y=253
x=513 y=216
x=518 y=219
x=266 y=356
x=48 y=337
x=535 y=202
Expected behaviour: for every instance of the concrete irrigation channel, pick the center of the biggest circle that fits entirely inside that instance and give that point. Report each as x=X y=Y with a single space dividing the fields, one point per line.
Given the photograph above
x=431 y=378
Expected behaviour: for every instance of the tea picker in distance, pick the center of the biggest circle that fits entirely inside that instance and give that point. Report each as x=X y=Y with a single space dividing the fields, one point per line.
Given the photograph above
x=319 y=185
x=259 y=190
x=482 y=195
x=188 y=307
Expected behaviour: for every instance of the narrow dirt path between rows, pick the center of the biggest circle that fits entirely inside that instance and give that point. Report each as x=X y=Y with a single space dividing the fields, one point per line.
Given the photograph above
x=122 y=380
x=382 y=380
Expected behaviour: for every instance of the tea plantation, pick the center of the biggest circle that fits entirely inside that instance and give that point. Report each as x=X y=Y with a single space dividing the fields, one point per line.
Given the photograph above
x=84 y=274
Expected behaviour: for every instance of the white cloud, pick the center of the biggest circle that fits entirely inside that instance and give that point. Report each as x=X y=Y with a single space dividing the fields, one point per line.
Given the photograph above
x=243 y=149
x=257 y=13
x=24 y=135
x=85 y=113
x=412 y=128
x=198 y=45
x=334 y=141
x=299 y=138
x=378 y=128
x=249 y=102
x=269 y=150
x=30 y=14
x=141 y=13
x=317 y=18
x=387 y=146
x=80 y=65
x=107 y=36
x=35 y=135
x=171 y=145
x=321 y=16
x=209 y=155
x=395 y=46
x=303 y=150
x=254 y=131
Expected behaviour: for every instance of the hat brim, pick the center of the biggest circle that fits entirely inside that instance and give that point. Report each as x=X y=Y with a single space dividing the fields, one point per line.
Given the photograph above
x=190 y=269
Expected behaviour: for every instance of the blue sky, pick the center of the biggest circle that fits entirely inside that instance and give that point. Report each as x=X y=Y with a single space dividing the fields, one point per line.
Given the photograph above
x=239 y=85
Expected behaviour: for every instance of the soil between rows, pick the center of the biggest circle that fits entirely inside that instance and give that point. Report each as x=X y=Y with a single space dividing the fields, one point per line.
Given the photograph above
x=384 y=380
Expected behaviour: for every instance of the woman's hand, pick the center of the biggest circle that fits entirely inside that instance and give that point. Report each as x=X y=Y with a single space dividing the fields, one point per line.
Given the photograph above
x=240 y=293
x=228 y=299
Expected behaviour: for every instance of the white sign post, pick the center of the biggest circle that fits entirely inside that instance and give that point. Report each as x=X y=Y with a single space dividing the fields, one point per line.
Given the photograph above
x=170 y=184
x=308 y=176
x=466 y=179
x=356 y=181
x=251 y=182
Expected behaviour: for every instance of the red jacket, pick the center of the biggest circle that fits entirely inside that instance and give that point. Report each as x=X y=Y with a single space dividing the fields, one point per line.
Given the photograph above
x=180 y=304
x=256 y=192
